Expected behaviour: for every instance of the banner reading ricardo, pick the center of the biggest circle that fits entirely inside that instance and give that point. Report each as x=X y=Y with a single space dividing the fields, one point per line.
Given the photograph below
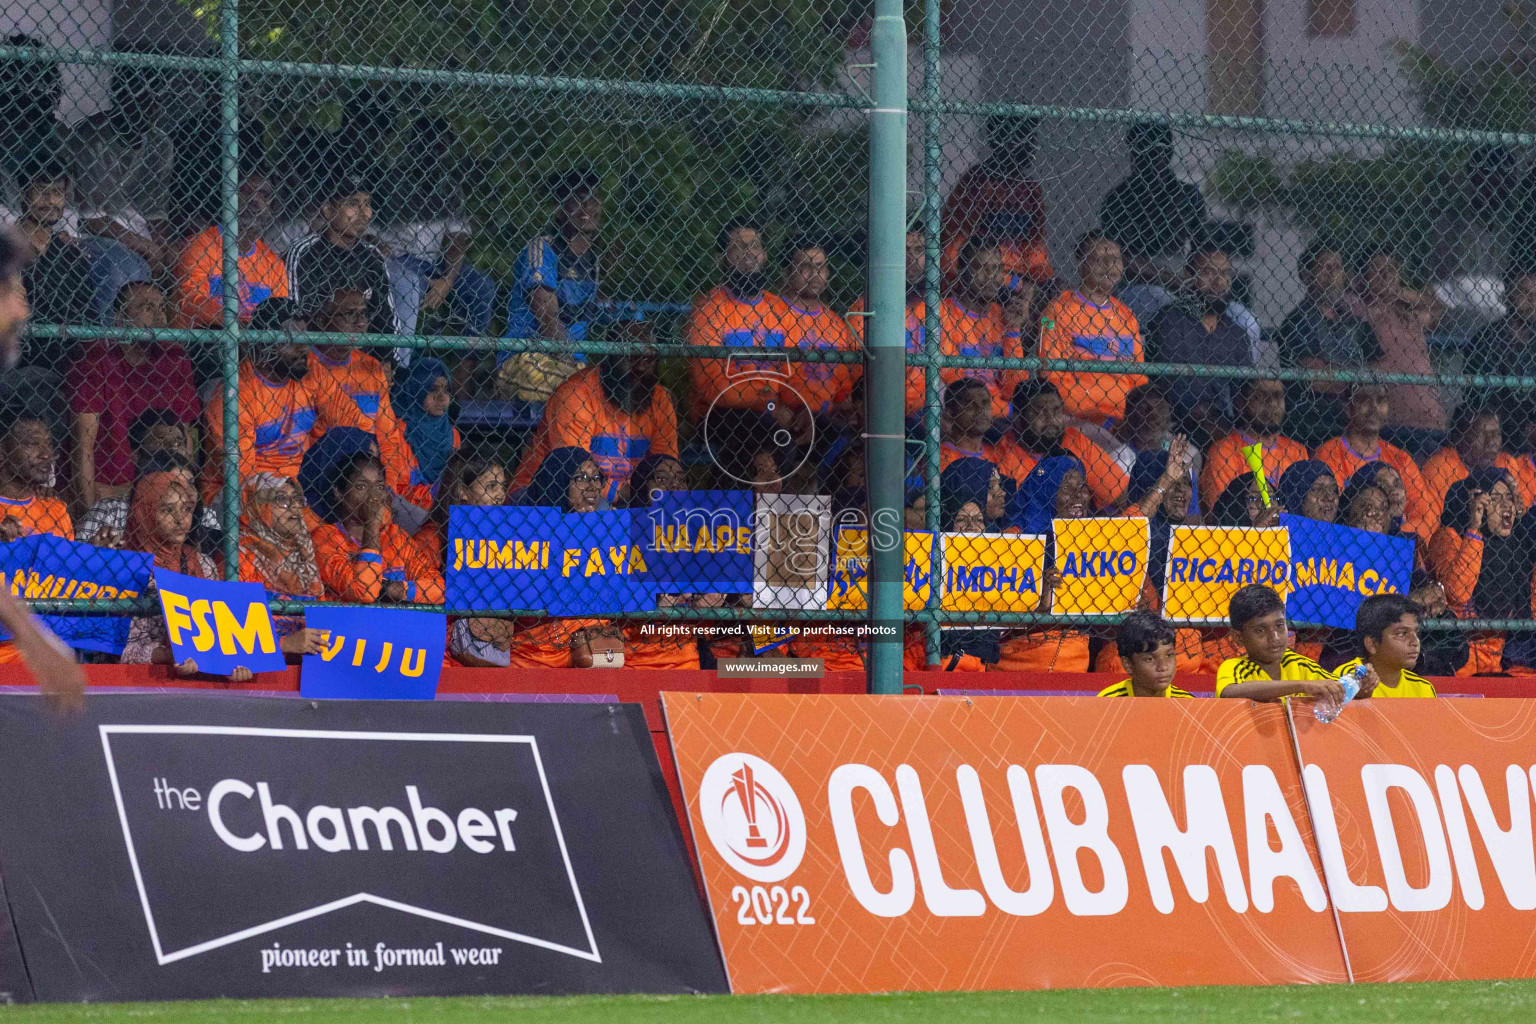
x=250 y=847
x=874 y=844
x=1208 y=564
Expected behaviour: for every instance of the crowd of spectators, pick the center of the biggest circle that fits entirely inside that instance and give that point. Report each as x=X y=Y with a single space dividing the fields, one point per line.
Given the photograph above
x=349 y=457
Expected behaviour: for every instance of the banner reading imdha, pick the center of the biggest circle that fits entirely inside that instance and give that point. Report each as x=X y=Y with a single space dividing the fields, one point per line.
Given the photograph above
x=992 y=572
x=1208 y=564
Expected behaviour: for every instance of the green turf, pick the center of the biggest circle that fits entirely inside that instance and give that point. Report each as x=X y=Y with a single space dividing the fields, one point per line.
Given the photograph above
x=1452 y=1003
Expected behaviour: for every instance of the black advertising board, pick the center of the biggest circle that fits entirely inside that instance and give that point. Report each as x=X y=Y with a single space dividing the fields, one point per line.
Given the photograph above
x=170 y=847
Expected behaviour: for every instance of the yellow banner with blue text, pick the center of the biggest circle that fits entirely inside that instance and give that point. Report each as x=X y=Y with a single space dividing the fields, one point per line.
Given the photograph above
x=1102 y=564
x=990 y=572
x=848 y=580
x=1208 y=564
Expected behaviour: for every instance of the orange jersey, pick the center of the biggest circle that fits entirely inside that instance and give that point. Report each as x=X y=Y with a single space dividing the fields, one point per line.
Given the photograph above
x=275 y=424
x=1044 y=650
x=1074 y=328
x=1338 y=456
x=819 y=384
x=352 y=572
x=579 y=415
x=718 y=320
x=917 y=318
x=1225 y=463
x=1021 y=261
x=546 y=643
x=1445 y=468
x=38 y=515
x=1106 y=480
x=354 y=392
x=643 y=650
x=964 y=332
x=200 y=279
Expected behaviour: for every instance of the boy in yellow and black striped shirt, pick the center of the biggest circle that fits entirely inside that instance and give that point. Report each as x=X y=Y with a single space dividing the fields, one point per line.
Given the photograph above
x=1387 y=626
x=1146 y=646
x=1268 y=669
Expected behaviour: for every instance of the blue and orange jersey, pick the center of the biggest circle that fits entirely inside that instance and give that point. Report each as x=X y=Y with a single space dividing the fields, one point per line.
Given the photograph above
x=720 y=319
x=354 y=392
x=200 y=279
x=1026 y=261
x=917 y=337
x=545 y=262
x=968 y=332
x=275 y=425
x=352 y=572
x=1072 y=327
x=820 y=384
x=579 y=415
x=38 y=515
x=1106 y=480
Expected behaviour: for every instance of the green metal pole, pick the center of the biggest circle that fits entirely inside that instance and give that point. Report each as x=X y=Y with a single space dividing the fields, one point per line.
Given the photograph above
x=229 y=220
x=886 y=370
x=931 y=298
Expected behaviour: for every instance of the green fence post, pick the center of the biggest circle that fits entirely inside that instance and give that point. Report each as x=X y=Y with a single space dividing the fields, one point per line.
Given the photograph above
x=884 y=389
x=932 y=332
x=229 y=220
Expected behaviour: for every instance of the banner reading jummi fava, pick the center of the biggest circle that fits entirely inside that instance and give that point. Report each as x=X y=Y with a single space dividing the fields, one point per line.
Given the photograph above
x=870 y=844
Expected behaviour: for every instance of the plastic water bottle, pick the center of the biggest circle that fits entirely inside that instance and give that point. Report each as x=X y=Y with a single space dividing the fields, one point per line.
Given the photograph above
x=1326 y=709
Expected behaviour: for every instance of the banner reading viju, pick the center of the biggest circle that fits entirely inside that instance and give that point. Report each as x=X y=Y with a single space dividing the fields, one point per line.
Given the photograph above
x=187 y=847
x=873 y=844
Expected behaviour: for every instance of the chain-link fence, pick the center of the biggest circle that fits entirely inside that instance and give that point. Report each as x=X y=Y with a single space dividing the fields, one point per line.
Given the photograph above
x=568 y=321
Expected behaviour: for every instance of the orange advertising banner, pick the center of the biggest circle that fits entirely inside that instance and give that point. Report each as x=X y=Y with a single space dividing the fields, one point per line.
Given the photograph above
x=869 y=844
x=1423 y=811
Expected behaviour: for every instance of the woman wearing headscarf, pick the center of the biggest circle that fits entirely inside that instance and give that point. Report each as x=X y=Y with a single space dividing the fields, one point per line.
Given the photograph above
x=1364 y=506
x=570 y=480
x=1383 y=478
x=675 y=644
x=421 y=399
x=362 y=555
x=1308 y=488
x=971 y=496
x=1241 y=504
x=1056 y=488
x=1484 y=555
x=479 y=480
x=277 y=552
x=162 y=508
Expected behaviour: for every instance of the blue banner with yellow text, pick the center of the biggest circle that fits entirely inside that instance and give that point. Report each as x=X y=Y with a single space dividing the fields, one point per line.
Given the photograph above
x=501 y=556
x=1335 y=567
x=374 y=654
x=700 y=542
x=45 y=567
x=217 y=625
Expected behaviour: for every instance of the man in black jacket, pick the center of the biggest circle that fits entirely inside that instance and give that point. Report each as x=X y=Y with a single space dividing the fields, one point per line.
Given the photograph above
x=1200 y=329
x=342 y=258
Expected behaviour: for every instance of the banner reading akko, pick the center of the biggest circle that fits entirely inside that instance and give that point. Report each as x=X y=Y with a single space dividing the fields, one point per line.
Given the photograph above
x=869 y=844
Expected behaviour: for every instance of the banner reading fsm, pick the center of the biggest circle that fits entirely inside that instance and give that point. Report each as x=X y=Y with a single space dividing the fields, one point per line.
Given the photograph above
x=1208 y=564
x=218 y=625
x=247 y=847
